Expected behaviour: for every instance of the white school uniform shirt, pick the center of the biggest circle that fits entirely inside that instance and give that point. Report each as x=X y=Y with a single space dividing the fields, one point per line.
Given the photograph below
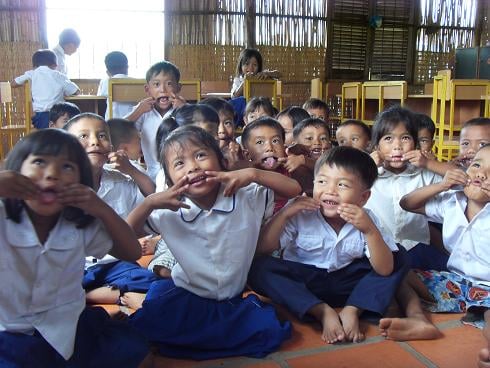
x=237 y=83
x=407 y=228
x=60 y=57
x=48 y=87
x=468 y=242
x=147 y=124
x=41 y=284
x=214 y=248
x=121 y=193
x=309 y=239
x=119 y=109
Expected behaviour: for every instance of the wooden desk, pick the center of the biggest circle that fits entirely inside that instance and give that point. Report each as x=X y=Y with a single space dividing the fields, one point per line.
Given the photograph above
x=421 y=103
x=89 y=103
x=225 y=95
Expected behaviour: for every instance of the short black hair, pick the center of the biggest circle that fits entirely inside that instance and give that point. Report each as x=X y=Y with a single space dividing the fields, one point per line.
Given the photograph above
x=352 y=160
x=69 y=35
x=258 y=102
x=359 y=124
x=88 y=115
x=264 y=121
x=50 y=142
x=44 y=57
x=310 y=122
x=163 y=66
x=295 y=113
x=61 y=108
x=116 y=62
x=388 y=119
x=316 y=103
x=121 y=131
x=245 y=56
x=219 y=104
x=181 y=136
x=424 y=122
x=477 y=122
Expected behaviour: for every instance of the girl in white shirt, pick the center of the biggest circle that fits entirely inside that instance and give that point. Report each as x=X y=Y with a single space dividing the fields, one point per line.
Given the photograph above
x=210 y=220
x=250 y=65
x=47 y=228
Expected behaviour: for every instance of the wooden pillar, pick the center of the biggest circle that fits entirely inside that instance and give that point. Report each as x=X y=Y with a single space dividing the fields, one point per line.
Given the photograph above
x=413 y=24
x=167 y=21
x=329 y=52
x=250 y=24
x=370 y=40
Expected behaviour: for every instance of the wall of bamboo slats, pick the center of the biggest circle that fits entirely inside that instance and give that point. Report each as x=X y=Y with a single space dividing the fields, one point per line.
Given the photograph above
x=19 y=38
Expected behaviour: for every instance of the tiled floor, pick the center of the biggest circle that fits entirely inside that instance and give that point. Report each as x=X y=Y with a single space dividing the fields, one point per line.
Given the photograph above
x=458 y=348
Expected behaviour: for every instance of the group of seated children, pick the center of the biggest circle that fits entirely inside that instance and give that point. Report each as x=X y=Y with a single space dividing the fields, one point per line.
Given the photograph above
x=310 y=226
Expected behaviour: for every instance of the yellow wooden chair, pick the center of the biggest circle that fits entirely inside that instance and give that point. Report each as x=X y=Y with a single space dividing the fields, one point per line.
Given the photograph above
x=381 y=91
x=270 y=88
x=351 y=93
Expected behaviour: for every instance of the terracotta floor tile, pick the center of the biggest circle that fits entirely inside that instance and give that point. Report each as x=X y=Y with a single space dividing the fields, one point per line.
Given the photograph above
x=458 y=348
x=384 y=354
x=444 y=317
x=162 y=362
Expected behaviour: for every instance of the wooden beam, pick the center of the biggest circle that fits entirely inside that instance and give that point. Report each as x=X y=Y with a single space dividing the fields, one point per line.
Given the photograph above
x=250 y=24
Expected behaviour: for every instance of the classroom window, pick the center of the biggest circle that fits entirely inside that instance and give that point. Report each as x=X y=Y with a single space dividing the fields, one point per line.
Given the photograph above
x=133 y=27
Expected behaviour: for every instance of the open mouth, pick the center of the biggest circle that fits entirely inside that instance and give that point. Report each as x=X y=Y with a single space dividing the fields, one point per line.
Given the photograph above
x=198 y=179
x=396 y=158
x=163 y=100
x=330 y=203
x=269 y=162
x=317 y=151
x=48 y=196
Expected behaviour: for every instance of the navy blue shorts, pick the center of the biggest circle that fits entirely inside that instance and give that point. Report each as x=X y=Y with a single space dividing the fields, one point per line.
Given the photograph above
x=122 y=275
x=41 y=120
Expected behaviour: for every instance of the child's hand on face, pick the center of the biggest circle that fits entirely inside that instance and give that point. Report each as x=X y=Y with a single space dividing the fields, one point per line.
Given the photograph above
x=233 y=180
x=300 y=203
x=81 y=196
x=119 y=160
x=170 y=198
x=416 y=158
x=177 y=100
x=356 y=216
x=429 y=155
x=453 y=178
x=377 y=158
x=233 y=154
x=146 y=104
x=292 y=162
x=148 y=244
x=15 y=185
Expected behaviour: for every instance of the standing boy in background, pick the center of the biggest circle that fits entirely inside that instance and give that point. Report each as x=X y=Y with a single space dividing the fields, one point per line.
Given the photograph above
x=48 y=86
x=162 y=87
x=68 y=44
x=116 y=64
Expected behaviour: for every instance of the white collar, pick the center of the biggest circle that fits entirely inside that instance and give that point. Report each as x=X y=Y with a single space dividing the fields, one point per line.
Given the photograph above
x=222 y=204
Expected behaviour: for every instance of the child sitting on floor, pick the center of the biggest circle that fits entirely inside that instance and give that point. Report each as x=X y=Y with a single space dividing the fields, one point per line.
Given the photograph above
x=211 y=272
x=334 y=253
x=107 y=279
x=465 y=216
x=60 y=113
x=317 y=108
x=50 y=220
x=126 y=155
x=289 y=118
x=354 y=133
x=474 y=134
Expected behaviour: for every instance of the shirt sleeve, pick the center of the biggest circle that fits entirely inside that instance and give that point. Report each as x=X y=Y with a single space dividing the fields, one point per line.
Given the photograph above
x=386 y=235
x=237 y=82
x=434 y=208
x=289 y=233
x=103 y=89
x=27 y=76
x=98 y=242
x=69 y=88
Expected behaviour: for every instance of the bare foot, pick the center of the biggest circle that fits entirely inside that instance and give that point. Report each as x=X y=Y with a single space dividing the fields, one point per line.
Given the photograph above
x=148 y=244
x=484 y=358
x=410 y=328
x=349 y=316
x=133 y=300
x=163 y=272
x=328 y=317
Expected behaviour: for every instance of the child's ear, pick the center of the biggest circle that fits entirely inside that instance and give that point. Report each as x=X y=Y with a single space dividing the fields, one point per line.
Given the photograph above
x=179 y=87
x=246 y=154
x=147 y=89
x=364 y=197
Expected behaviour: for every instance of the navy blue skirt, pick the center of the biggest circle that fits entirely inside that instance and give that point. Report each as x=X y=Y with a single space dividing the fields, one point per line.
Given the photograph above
x=184 y=325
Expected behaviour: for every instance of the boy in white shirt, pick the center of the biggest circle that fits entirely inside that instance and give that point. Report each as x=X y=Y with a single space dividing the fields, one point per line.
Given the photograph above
x=334 y=252
x=68 y=44
x=48 y=86
x=116 y=64
x=162 y=87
